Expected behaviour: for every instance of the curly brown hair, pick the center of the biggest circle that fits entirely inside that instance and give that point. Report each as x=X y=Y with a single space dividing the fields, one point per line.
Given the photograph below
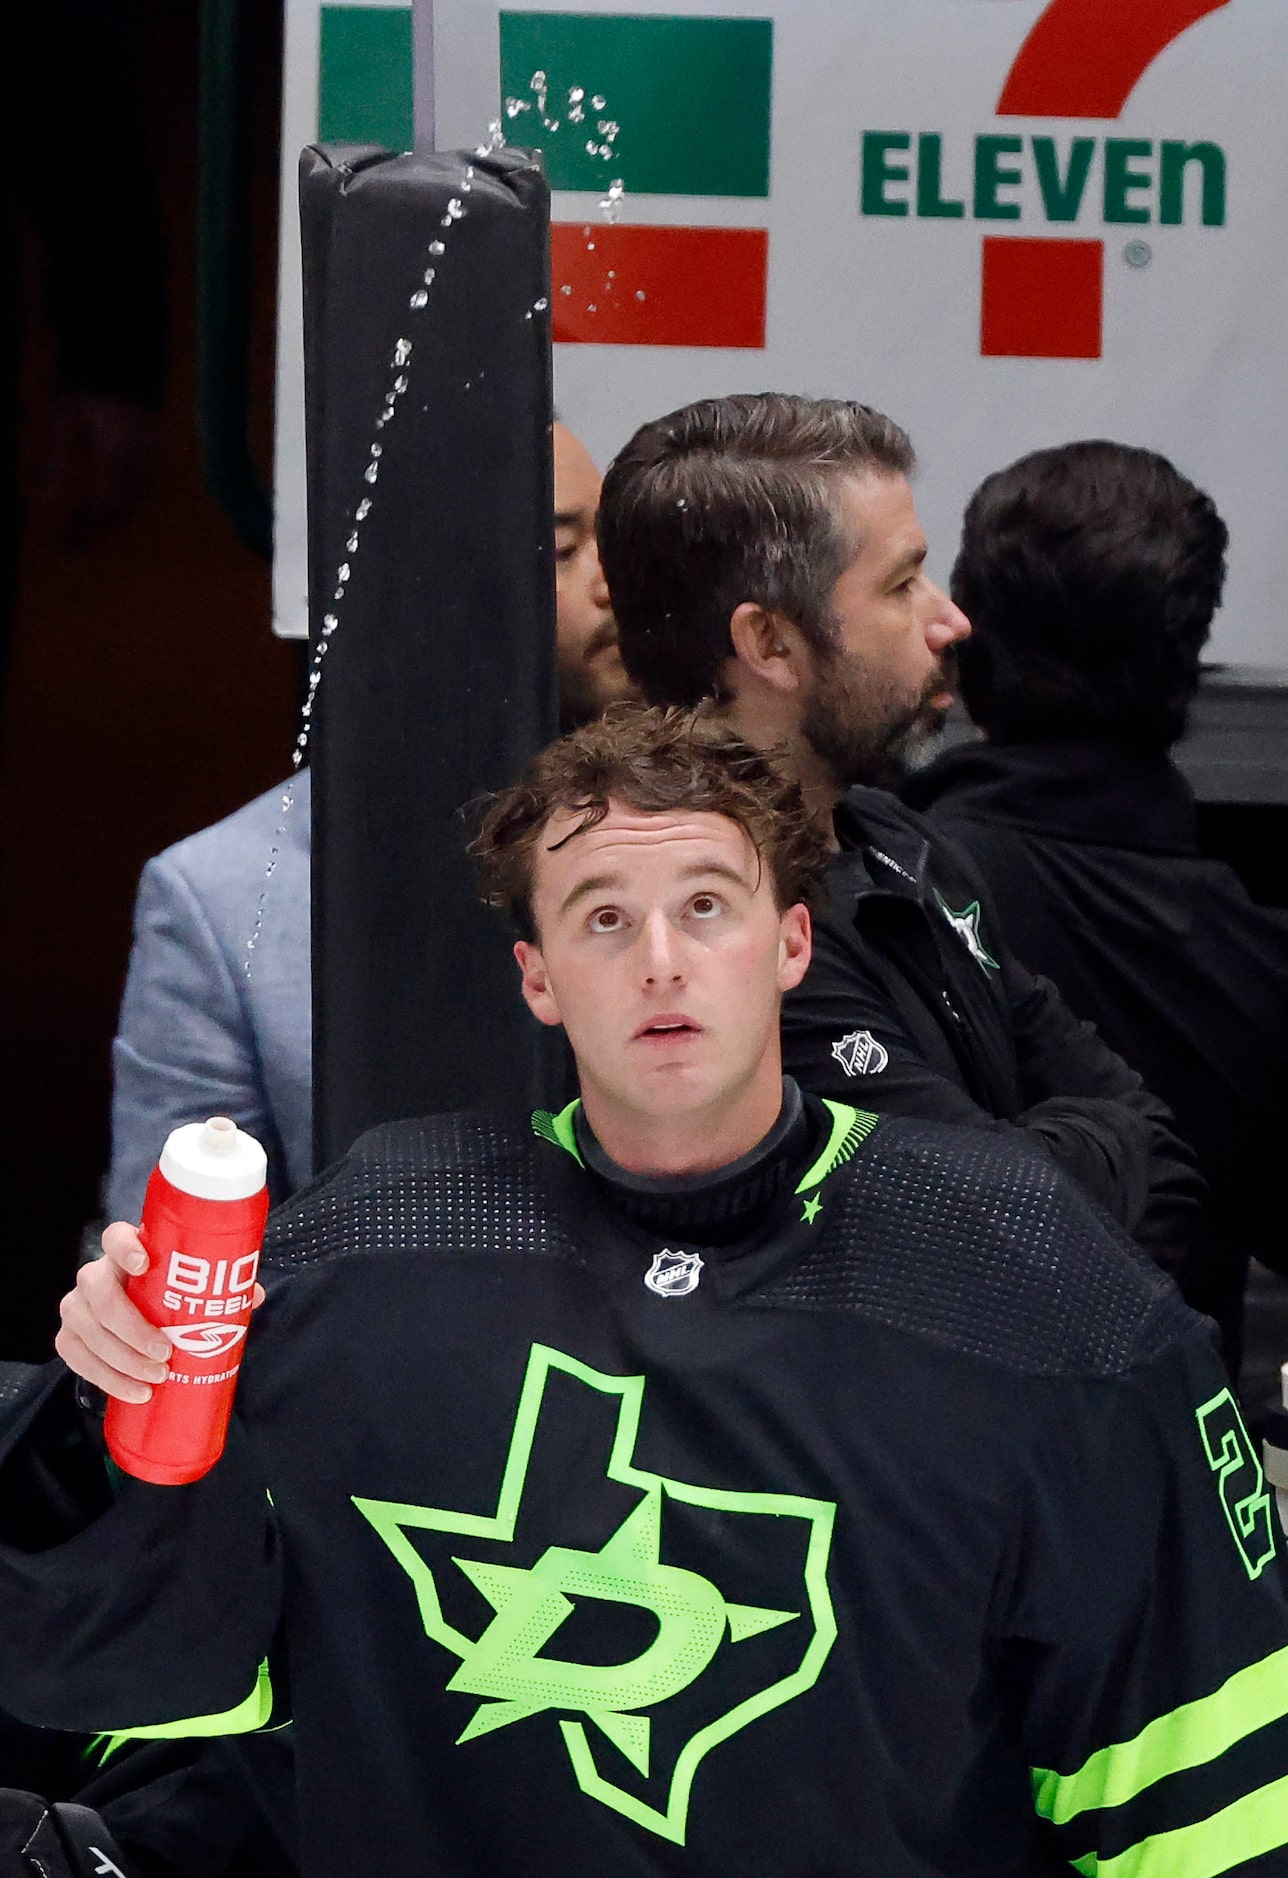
x=654 y=761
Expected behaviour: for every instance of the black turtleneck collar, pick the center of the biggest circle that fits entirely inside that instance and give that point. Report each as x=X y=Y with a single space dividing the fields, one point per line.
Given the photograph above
x=1074 y=790
x=716 y=1208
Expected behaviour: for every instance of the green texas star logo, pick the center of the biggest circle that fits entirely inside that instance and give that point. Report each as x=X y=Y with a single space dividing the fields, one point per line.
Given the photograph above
x=699 y=1680
x=966 y=925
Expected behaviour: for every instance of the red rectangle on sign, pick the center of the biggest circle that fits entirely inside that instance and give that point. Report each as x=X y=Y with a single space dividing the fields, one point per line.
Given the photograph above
x=1042 y=299
x=617 y=285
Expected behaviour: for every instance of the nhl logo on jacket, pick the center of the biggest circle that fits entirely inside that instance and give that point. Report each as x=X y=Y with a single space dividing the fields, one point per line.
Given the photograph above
x=673 y=1274
x=860 y=1054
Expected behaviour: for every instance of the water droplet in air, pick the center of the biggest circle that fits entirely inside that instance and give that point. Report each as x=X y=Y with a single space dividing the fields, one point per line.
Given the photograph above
x=513 y=106
x=640 y=294
x=428 y=277
x=612 y=273
x=577 y=114
x=565 y=289
x=338 y=594
x=329 y=623
x=455 y=209
x=576 y=94
x=371 y=472
x=402 y=352
x=590 y=247
x=436 y=248
x=400 y=385
x=363 y=510
x=597 y=103
x=592 y=148
x=377 y=449
x=351 y=545
x=551 y=123
x=537 y=82
x=681 y=503
x=419 y=299
x=539 y=306
x=592 y=309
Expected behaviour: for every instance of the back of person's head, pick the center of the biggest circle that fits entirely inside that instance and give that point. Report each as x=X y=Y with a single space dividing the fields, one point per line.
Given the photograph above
x=731 y=500
x=1090 y=574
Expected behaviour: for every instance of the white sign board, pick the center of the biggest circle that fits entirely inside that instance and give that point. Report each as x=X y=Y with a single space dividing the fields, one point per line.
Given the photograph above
x=1008 y=223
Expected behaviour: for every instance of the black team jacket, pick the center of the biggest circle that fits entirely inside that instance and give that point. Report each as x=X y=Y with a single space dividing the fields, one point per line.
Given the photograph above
x=916 y=1004
x=1092 y=858
x=910 y=1533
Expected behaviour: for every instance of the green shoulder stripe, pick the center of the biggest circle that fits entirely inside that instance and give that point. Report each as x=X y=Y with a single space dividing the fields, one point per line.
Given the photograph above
x=1250 y=1827
x=850 y=1129
x=558 y=1129
x=249 y=1715
x=1187 y=1737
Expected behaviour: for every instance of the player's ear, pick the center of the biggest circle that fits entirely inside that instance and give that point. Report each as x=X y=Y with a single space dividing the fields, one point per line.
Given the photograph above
x=537 y=995
x=795 y=946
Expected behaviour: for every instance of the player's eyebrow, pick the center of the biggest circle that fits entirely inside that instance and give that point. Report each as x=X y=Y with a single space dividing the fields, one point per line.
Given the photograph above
x=569 y=518
x=612 y=882
x=594 y=883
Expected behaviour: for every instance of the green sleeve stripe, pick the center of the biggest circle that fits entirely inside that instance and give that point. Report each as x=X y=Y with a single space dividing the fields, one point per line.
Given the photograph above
x=249 y=1715
x=1187 y=1737
x=1256 y=1824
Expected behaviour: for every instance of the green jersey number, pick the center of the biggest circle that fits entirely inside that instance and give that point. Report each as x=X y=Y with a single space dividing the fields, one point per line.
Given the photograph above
x=1241 y=1484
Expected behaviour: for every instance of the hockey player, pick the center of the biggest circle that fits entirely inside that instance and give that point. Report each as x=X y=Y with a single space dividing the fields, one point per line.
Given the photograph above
x=705 y=1479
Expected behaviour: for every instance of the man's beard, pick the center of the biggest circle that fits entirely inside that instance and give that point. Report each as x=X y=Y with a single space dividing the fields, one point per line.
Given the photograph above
x=859 y=725
x=585 y=689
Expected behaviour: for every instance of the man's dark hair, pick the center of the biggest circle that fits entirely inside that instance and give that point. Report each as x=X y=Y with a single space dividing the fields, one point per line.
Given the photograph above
x=732 y=500
x=655 y=762
x=1090 y=574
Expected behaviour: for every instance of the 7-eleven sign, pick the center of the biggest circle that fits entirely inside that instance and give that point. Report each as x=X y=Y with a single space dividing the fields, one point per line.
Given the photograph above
x=664 y=105
x=667 y=106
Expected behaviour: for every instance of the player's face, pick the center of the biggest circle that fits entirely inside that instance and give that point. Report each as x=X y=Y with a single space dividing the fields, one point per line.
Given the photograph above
x=591 y=673
x=664 y=957
x=894 y=628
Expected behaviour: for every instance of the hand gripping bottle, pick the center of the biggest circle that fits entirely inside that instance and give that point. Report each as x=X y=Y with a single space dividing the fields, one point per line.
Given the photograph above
x=203 y=1224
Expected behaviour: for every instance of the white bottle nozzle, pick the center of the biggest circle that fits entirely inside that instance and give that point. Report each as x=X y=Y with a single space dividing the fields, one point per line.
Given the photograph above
x=214 y=1160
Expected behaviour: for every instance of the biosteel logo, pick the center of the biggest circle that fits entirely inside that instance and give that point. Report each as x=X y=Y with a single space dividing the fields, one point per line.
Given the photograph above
x=1042 y=296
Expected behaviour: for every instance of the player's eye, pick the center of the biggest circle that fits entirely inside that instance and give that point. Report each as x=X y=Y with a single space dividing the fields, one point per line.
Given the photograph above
x=605 y=919
x=705 y=905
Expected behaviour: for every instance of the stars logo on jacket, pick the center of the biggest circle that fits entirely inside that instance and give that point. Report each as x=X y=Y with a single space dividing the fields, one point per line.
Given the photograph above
x=664 y=1660
x=966 y=925
x=859 y=1054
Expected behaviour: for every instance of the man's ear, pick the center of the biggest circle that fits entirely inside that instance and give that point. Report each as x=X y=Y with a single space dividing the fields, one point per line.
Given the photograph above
x=537 y=995
x=767 y=646
x=795 y=947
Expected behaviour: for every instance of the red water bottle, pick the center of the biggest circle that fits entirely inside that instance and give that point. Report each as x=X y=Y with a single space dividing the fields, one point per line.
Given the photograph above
x=203 y=1224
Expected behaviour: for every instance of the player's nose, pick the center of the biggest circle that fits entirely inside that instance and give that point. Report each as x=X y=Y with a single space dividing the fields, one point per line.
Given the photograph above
x=661 y=953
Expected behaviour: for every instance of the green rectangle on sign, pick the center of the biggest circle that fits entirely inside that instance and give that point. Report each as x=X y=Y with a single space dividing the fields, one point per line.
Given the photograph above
x=690 y=97
x=364 y=76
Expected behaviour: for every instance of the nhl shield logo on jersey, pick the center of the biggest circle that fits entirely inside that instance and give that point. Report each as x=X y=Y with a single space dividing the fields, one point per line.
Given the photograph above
x=860 y=1054
x=733 y=1584
x=673 y=1274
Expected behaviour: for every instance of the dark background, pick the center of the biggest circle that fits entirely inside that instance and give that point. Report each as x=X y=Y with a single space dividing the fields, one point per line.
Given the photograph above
x=145 y=698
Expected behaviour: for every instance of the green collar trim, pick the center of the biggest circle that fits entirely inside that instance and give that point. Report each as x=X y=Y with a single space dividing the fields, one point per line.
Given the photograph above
x=558 y=1129
x=850 y=1129
x=247 y=1718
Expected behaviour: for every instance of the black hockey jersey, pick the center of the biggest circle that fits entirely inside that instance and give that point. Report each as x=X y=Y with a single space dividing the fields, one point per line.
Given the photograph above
x=916 y=1535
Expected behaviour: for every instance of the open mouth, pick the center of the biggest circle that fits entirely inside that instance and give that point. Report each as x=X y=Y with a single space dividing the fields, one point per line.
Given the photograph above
x=668 y=1028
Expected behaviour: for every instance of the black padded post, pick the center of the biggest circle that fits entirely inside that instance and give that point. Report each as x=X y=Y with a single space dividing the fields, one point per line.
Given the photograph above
x=436 y=606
